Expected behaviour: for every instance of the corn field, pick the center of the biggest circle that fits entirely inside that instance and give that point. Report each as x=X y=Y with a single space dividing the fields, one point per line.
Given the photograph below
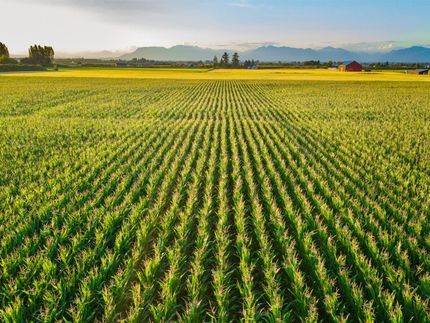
x=214 y=200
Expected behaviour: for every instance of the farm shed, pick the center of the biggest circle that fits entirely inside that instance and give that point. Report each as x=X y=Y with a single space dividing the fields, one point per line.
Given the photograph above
x=350 y=66
x=420 y=71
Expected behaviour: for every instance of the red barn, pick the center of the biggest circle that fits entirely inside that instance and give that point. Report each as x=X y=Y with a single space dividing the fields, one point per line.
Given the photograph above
x=350 y=66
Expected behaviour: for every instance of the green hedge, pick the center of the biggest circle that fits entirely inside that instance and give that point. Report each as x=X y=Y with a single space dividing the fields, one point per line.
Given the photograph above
x=20 y=67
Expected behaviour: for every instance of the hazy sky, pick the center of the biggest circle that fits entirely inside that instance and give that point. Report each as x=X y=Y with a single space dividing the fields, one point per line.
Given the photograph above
x=78 y=25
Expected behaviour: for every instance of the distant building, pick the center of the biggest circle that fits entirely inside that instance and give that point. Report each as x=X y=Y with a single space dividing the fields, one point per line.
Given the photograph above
x=121 y=64
x=350 y=66
x=420 y=71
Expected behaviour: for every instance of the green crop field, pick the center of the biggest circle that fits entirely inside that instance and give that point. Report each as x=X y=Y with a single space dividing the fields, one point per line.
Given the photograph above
x=198 y=198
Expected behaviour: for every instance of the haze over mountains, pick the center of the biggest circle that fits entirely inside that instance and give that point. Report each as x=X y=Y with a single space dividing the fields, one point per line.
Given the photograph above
x=414 y=54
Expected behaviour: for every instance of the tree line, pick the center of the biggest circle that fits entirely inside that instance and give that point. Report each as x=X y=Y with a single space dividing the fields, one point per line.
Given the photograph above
x=39 y=55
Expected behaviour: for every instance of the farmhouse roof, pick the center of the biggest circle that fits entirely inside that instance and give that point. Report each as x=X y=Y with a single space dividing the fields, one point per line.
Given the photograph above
x=346 y=63
x=418 y=70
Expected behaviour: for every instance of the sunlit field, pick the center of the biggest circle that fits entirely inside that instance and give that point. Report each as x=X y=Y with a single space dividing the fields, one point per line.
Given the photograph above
x=193 y=195
x=220 y=74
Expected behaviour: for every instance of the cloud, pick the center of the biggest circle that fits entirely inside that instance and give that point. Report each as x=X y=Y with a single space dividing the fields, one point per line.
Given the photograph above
x=242 y=24
x=126 y=12
x=245 y=4
x=111 y=6
x=240 y=4
x=244 y=46
x=381 y=46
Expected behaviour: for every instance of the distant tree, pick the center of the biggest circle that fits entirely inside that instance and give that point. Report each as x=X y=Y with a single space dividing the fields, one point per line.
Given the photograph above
x=235 y=60
x=7 y=60
x=40 y=55
x=4 y=52
x=312 y=63
x=249 y=63
x=225 y=59
x=215 y=61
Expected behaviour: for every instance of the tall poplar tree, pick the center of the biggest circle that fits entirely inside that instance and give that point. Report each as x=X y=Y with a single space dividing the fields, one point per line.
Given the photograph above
x=235 y=60
x=225 y=59
x=4 y=52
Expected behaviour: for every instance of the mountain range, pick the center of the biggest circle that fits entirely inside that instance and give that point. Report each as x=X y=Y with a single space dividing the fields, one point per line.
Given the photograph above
x=414 y=54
